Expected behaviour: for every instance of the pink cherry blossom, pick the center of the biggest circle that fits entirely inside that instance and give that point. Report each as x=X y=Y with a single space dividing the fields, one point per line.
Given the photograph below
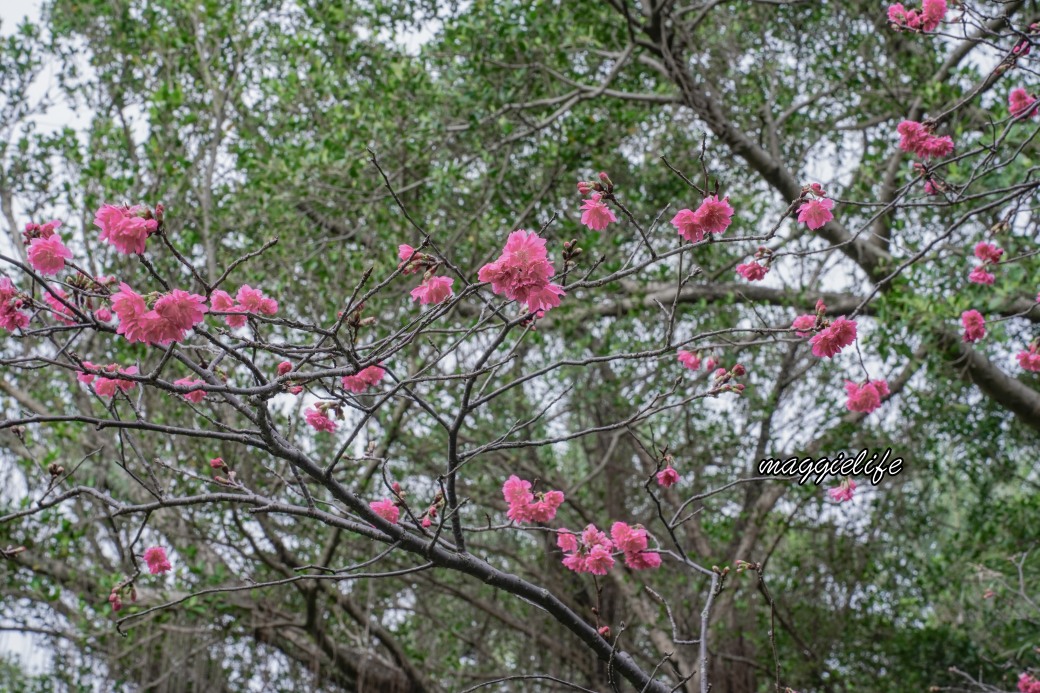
x=988 y=253
x=595 y=214
x=181 y=309
x=864 y=398
x=1029 y=359
x=628 y=539
x=915 y=138
x=195 y=396
x=525 y=506
x=843 y=492
x=129 y=306
x=516 y=491
x=363 y=379
x=45 y=230
x=155 y=557
x=48 y=255
x=689 y=360
x=62 y=313
x=599 y=560
x=411 y=259
x=816 y=213
x=222 y=302
x=979 y=275
x=1028 y=684
x=254 y=301
x=125 y=228
x=752 y=271
x=319 y=420
x=667 y=477
x=522 y=272
x=936 y=147
x=433 y=291
x=974 y=325
x=386 y=509
x=911 y=133
x=712 y=216
x=927 y=19
x=11 y=317
x=803 y=325
x=566 y=540
x=831 y=340
x=1021 y=102
x=643 y=560
x=108 y=386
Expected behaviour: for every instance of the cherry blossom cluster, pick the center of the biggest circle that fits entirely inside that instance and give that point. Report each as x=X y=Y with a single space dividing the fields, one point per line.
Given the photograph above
x=523 y=272
x=1022 y=104
x=918 y=139
x=929 y=17
x=865 y=397
x=713 y=216
x=433 y=289
x=595 y=214
x=592 y=550
x=757 y=270
x=692 y=361
x=830 y=336
x=127 y=228
x=990 y=256
x=1028 y=684
x=844 y=491
x=44 y=248
x=247 y=301
x=1030 y=359
x=815 y=210
x=107 y=386
x=525 y=505
x=974 y=325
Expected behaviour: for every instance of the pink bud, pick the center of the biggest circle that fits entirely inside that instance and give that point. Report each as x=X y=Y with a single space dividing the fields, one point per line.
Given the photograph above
x=216 y=463
x=284 y=367
x=103 y=314
x=604 y=178
x=739 y=370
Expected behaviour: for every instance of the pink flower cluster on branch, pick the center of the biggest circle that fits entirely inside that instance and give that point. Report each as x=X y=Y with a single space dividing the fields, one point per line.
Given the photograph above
x=363 y=379
x=865 y=397
x=11 y=316
x=974 y=325
x=526 y=506
x=1022 y=104
x=127 y=228
x=713 y=216
x=926 y=19
x=990 y=256
x=523 y=271
x=917 y=138
x=157 y=561
x=247 y=300
x=106 y=385
x=828 y=342
x=168 y=321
